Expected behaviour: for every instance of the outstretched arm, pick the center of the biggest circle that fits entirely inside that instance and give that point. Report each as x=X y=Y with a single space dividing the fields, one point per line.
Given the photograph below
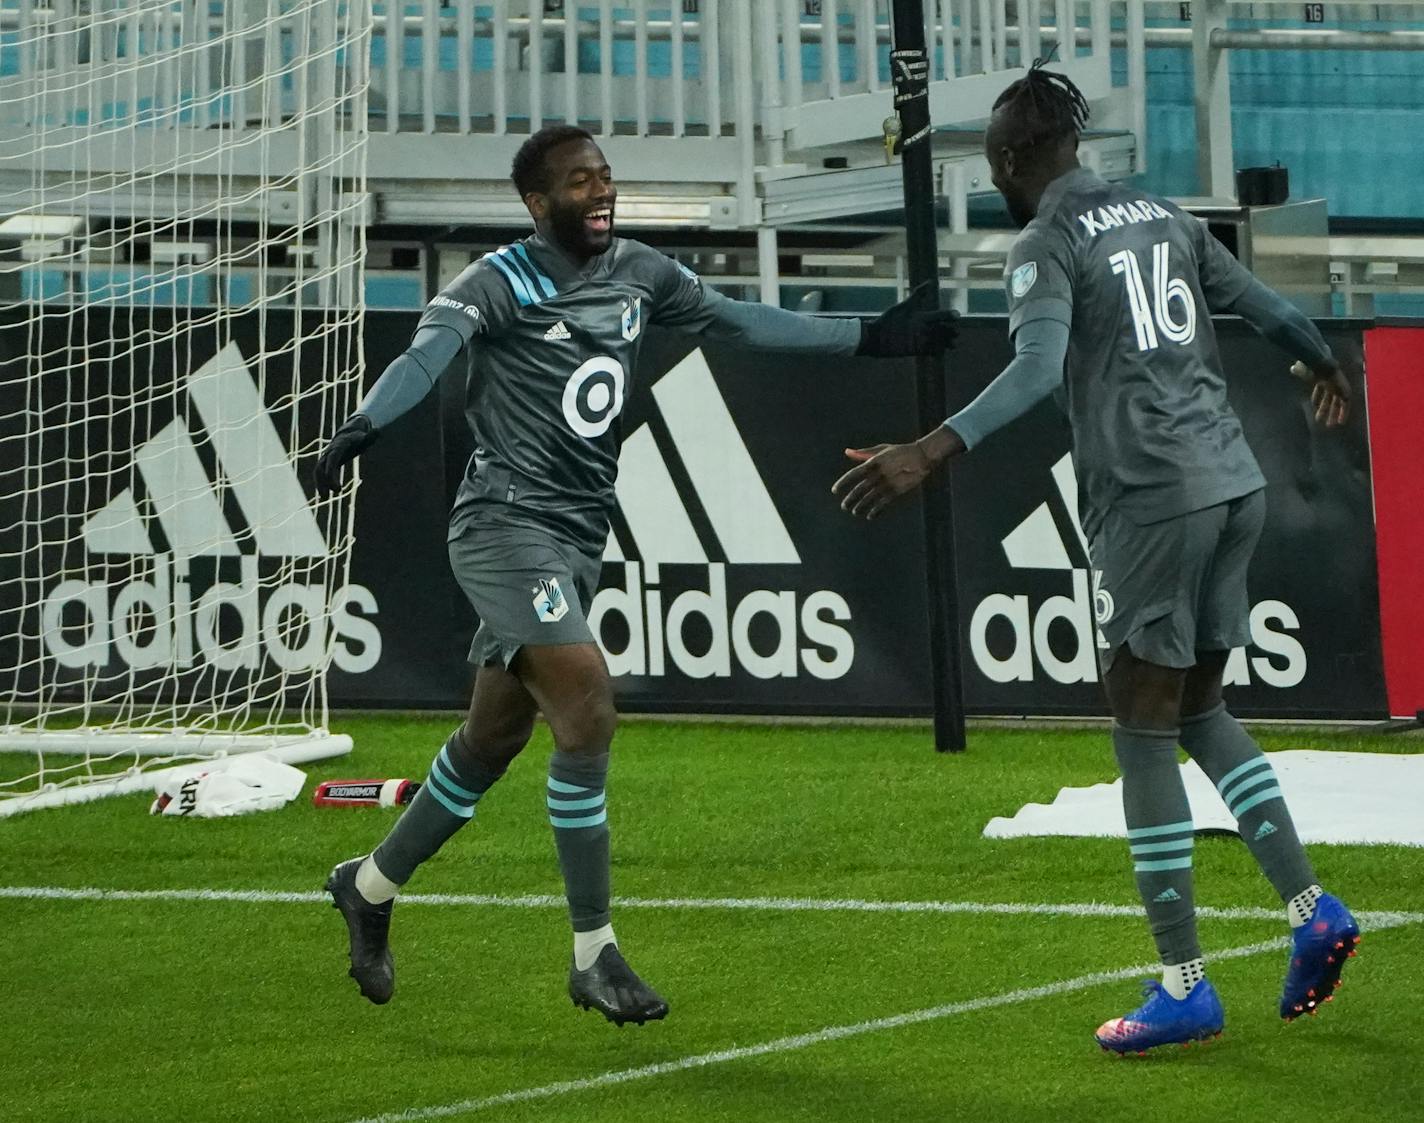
x=903 y=329
x=402 y=386
x=766 y=328
x=477 y=303
x=886 y=472
x=1293 y=332
x=1230 y=287
x=682 y=301
x=405 y=383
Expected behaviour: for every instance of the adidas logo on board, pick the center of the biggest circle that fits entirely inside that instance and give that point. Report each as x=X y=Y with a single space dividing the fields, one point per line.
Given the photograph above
x=182 y=607
x=691 y=496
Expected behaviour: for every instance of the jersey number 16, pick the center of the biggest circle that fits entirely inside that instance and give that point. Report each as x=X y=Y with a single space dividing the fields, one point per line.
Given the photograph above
x=1151 y=320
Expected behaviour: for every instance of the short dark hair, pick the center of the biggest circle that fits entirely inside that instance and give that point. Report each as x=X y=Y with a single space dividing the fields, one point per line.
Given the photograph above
x=1043 y=106
x=530 y=171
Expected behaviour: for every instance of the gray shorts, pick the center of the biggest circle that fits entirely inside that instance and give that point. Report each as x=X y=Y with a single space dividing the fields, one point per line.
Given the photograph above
x=526 y=586
x=1170 y=589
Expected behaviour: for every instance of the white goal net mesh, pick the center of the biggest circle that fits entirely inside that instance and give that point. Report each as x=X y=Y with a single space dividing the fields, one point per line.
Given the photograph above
x=182 y=209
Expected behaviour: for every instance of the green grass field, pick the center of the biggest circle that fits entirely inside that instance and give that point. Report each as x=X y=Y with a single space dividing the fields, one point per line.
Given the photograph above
x=231 y=1009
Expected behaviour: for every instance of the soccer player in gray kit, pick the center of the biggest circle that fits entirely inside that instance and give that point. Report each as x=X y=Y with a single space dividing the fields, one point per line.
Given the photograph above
x=551 y=326
x=1121 y=285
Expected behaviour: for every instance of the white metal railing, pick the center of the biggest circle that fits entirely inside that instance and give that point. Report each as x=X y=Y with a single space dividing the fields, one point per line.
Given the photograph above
x=162 y=63
x=640 y=68
x=731 y=90
x=647 y=69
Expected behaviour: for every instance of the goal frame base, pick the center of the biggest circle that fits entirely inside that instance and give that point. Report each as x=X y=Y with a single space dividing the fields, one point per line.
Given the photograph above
x=221 y=750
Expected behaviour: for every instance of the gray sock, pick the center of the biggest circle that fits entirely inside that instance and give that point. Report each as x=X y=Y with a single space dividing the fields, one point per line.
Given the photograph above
x=1159 y=834
x=1246 y=781
x=579 y=815
x=444 y=804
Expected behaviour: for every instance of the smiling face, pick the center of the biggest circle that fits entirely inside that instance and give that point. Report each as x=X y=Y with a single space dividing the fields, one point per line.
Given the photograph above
x=576 y=211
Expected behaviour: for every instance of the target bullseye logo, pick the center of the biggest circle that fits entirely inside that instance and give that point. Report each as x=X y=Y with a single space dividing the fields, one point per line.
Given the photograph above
x=593 y=396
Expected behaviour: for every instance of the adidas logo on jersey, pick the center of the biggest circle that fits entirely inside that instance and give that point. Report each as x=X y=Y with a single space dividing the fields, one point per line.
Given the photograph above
x=1039 y=542
x=183 y=606
x=558 y=332
x=679 y=605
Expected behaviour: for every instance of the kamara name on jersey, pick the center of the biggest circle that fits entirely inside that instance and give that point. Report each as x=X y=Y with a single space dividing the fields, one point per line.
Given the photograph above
x=1121 y=214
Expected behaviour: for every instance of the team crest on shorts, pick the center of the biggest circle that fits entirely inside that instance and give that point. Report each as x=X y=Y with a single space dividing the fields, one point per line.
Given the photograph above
x=1023 y=279
x=549 y=602
x=632 y=318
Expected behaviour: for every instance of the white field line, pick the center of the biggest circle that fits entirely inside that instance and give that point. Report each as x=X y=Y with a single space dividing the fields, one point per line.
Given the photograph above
x=1375 y=919
x=806 y=1040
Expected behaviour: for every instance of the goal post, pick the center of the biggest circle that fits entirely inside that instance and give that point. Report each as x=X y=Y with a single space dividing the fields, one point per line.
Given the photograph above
x=182 y=212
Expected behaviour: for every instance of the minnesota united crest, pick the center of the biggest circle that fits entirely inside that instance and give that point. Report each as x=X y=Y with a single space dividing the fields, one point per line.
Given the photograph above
x=632 y=318
x=549 y=603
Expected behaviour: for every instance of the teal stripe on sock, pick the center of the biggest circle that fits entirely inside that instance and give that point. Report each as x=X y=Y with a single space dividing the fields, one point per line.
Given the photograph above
x=448 y=778
x=1240 y=770
x=1163 y=864
x=465 y=812
x=1159 y=847
x=571 y=789
x=575 y=804
x=1235 y=794
x=1259 y=797
x=586 y=821
x=1170 y=828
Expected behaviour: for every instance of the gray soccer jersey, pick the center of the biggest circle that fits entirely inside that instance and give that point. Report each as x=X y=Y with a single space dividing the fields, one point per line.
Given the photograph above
x=552 y=351
x=1136 y=279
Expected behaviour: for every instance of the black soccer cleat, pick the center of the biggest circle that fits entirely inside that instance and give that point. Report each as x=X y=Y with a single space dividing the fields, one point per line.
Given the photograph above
x=612 y=988
x=369 y=927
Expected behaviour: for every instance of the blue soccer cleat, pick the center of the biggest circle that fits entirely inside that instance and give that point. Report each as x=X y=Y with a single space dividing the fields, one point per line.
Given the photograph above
x=1164 y=1020
x=1318 y=953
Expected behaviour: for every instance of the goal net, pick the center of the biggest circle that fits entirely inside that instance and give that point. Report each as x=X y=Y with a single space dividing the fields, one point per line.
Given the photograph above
x=182 y=207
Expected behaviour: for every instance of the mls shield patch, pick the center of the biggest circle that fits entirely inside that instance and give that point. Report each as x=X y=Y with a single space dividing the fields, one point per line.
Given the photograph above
x=632 y=318
x=1023 y=279
x=549 y=602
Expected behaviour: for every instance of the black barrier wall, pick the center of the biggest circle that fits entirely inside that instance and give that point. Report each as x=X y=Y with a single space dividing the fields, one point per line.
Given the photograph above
x=1028 y=633
x=733 y=582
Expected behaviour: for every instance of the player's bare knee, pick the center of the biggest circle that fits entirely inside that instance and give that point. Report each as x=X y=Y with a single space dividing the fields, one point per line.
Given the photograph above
x=494 y=749
x=587 y=727
x=1144 y=695
x=1202 y=692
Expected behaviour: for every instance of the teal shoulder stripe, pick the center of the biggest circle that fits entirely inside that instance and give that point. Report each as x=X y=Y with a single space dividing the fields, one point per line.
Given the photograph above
x=567 y=789
x=507 y=255
x=539 y=275
x=516 y=282
x=1170 y=828
x=1241 y=770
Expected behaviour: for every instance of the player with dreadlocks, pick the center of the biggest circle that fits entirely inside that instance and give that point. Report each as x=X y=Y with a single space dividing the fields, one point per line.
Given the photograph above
x=1120 y=285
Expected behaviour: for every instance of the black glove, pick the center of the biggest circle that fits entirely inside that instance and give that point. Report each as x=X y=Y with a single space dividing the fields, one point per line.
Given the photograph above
x=355 y=436
x=906 y=330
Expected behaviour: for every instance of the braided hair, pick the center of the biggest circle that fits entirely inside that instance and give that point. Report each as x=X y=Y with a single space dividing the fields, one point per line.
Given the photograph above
x=1043 y=107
